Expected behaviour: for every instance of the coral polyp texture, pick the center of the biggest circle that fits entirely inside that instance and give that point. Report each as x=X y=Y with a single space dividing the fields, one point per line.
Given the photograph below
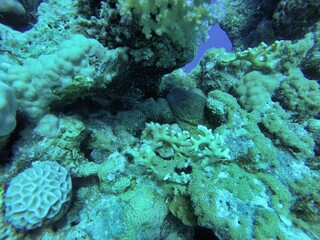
x=37 y=196
x=166 y=33
x=34 y=81
x=182 y=21
x=105 y=135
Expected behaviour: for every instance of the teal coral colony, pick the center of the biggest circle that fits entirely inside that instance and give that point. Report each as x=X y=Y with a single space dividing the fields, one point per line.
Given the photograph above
x=103 y=135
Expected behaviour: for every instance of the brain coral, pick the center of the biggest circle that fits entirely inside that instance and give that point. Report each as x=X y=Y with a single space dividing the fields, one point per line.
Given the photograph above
x=37 y=196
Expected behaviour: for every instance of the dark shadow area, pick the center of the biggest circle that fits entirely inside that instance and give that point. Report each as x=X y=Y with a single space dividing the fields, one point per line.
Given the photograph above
x=21 y=22
x=204 y=234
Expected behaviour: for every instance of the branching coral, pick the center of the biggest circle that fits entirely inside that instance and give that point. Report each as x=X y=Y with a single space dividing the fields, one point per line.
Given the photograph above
x=262 y=57
x=206 y=146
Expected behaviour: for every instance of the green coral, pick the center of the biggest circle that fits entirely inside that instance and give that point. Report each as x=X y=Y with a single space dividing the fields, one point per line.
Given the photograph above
x=280 y=56
x=168 y=151
x=293 y=53
x=281 y=197
x=182 y=21
x=267 y=225
x=254 y=150
x=63 y=148
x=300 y=95
x=112 y=178
x=142 y=207
x=288 y=133
x=206 y=146
x=181 y=207
x=262 y=57
x=238 y=201
x=306 y=202
x=234 y=179
x=209 y=74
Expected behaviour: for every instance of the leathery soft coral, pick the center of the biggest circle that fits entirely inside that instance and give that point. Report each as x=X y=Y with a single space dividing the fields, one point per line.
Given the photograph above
x=182 y=21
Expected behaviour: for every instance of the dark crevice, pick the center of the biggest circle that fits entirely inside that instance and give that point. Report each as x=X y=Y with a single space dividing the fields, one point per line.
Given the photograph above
x=202 y=233
x=84 y=146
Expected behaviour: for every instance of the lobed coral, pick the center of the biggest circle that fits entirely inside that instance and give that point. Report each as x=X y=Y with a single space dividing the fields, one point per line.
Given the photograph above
x=33 y=87
x=254 y=90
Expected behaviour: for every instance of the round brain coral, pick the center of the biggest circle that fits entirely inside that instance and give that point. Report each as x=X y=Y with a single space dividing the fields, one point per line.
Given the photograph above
x=37 y=196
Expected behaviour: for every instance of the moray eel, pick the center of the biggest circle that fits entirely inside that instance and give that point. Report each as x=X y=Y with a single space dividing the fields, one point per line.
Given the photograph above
x=186 y=105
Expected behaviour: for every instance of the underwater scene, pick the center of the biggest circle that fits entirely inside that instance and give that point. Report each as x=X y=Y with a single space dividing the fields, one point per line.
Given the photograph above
x=106 y=134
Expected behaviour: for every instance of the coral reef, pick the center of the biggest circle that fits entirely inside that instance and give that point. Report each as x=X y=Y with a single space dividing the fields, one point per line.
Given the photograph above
x=32 y=86
x=37 y=196
x=166 y=33
x=303 y=15
x=247 y=23
x=104 y=136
